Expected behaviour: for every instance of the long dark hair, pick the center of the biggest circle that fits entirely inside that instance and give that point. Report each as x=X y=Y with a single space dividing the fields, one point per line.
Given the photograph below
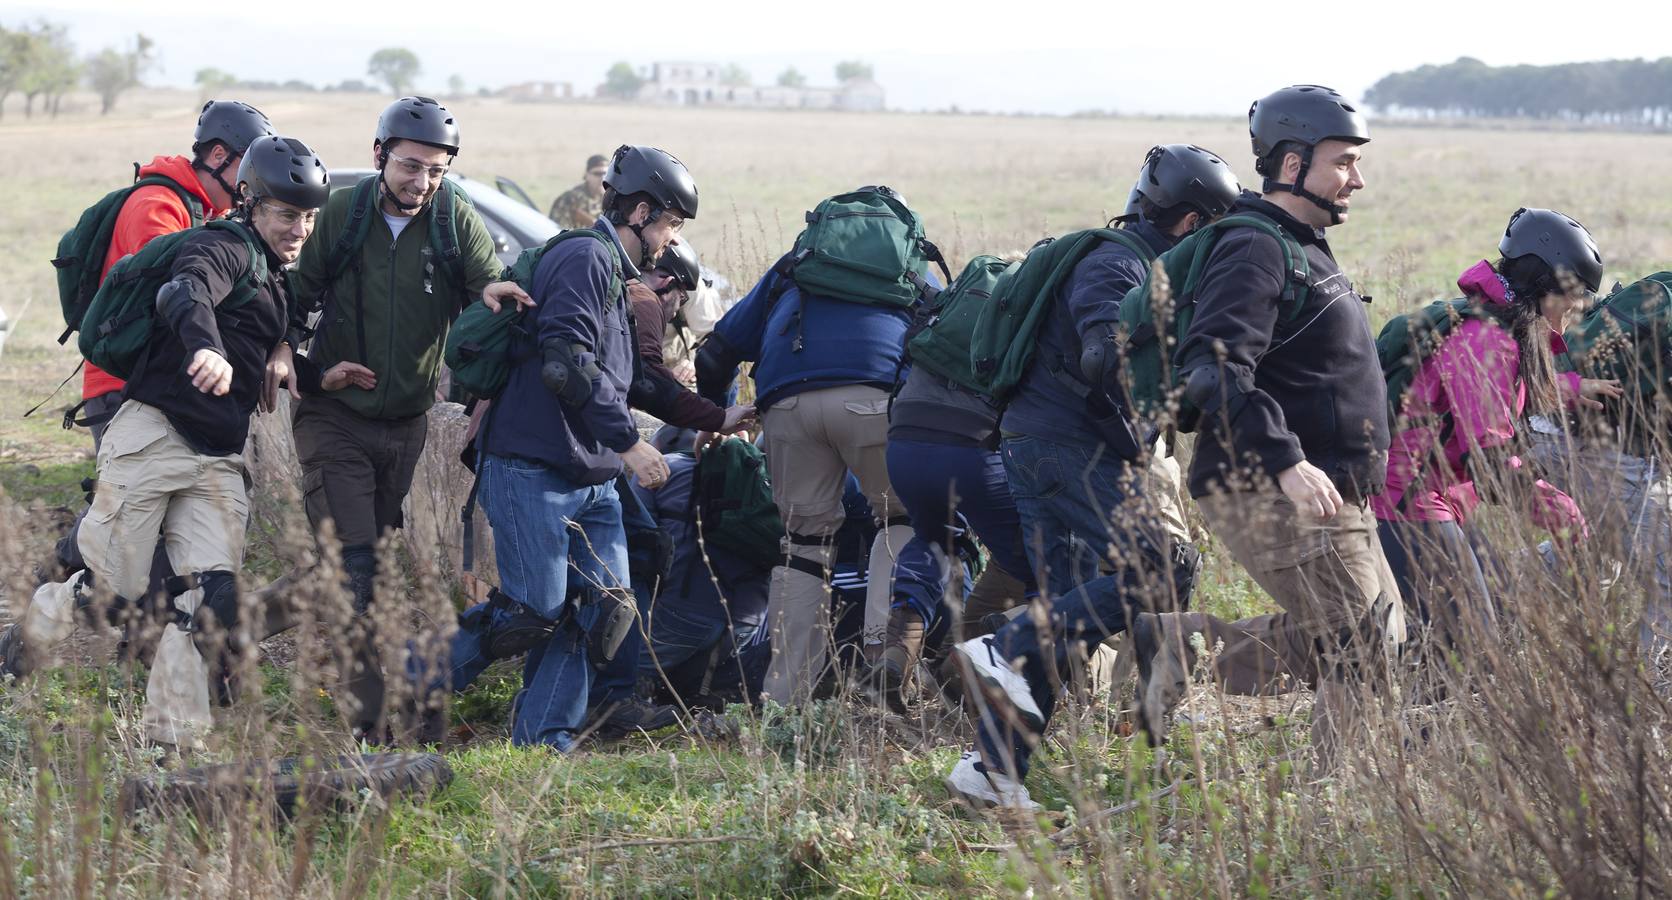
x=1530 y=280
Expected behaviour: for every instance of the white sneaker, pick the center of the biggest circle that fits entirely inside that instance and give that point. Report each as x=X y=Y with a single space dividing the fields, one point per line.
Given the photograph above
x=1005 y=691
x=986 y=789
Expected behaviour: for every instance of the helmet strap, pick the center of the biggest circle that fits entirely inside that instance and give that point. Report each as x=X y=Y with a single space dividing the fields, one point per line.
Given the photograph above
x=218 y=173
x=645 y=260
x=1270 y=185
x=389 y=193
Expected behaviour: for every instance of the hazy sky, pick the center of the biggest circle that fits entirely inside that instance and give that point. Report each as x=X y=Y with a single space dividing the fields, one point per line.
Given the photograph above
x=1205 y=56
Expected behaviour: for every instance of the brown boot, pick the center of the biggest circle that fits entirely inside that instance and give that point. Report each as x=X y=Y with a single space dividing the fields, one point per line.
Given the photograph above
x=900 y=658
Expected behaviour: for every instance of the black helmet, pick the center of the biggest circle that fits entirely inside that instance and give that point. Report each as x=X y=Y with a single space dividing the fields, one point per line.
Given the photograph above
x=284 y=169
x=419 y=119
x=647 y=170
x=231 y=122
x=680 y=261
x=1558 y=240
x=1306 y=114
x=1184 y=173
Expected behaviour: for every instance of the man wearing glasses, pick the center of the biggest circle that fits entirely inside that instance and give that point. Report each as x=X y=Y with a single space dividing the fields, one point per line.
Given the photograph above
x=385 y=295
x=581 y=205
x=171 y=463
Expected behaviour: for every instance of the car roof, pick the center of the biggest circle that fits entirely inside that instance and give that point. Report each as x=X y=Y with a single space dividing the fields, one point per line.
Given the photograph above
x=486 y=197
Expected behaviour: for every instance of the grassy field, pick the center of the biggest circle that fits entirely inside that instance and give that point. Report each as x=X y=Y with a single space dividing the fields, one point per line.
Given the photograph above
x=1554 y=783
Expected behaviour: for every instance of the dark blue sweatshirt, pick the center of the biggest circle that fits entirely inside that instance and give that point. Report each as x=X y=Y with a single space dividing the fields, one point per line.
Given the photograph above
x=572 y=290
x=801 y=342
x=1043 y=406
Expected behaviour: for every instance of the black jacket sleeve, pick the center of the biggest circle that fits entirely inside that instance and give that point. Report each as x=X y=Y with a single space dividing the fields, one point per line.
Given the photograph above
x=209 y=264
x=1237 y=308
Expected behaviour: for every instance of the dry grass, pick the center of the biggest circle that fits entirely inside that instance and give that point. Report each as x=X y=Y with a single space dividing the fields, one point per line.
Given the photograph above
x=1546 y=773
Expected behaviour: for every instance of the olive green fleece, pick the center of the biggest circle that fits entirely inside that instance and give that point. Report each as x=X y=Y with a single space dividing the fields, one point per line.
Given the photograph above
x=404 y=303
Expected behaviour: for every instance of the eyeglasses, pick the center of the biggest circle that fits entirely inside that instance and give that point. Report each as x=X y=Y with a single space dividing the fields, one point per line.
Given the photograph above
x=675 y=223
x=598 y=173
x=412 y=167
x=290 y=218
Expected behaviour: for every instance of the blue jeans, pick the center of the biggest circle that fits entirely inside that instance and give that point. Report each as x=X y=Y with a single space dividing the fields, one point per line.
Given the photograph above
x=542 y=525
x=1079 y=508
x=937 y=483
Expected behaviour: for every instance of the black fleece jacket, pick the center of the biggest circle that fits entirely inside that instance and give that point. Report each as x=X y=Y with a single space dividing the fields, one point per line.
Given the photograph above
x=212 y=262
x=1316 y=391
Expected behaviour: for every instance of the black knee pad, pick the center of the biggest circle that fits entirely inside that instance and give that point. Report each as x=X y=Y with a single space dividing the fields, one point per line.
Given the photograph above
x=1187 y=567
x=218 y=606
x=96 y=614
x=511 y=629
x=606 y=615
x=360 y=565
x=220 y=600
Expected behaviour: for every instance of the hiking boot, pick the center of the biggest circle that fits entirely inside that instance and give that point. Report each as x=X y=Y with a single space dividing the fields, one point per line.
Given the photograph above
x=984 y=790
x=900 y=658
x=1002 y=688
x=624 y=717
x=1164 y=665
x=12 y=652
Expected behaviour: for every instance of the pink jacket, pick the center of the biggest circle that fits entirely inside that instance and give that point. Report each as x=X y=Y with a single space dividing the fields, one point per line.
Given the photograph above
x=1475 y=377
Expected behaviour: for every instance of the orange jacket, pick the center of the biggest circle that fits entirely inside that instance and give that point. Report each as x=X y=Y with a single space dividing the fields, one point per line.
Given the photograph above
x=150 y=211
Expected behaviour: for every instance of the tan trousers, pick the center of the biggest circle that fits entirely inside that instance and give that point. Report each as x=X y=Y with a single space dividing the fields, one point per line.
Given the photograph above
x=813 y=440
x=1341 y=617
x=151 y=482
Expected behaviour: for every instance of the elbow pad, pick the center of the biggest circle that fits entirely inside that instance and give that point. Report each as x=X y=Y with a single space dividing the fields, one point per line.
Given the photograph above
x=654 y=394
x=1212 y=387
x=715 y=369
x=1099 y=358
x=568 y=370
x=174 y=297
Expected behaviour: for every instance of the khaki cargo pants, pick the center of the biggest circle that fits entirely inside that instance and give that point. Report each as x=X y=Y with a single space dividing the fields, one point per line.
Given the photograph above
x=151 y=482
x=1342 y=615
x=813 y=440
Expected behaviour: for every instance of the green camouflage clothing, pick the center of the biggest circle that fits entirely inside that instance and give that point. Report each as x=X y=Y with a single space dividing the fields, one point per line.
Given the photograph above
x=575 y=208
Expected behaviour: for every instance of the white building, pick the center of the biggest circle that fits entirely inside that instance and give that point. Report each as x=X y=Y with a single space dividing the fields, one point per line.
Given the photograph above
x=699 y=84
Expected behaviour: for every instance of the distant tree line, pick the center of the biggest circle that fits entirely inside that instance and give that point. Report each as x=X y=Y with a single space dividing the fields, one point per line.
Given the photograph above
x=1626 y=92
x=622 y=81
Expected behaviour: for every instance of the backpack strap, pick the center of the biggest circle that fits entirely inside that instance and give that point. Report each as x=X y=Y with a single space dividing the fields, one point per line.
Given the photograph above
x=1297 y=284
x=255 y=272
x=195 y=211
x=784 y=268
x=345 y=251
x=345 y=254
x=444 y=235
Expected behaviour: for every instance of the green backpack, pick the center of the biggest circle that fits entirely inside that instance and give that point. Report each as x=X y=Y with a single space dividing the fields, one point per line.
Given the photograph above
x=1407 y=340
x=941 y=344
x=483 y=346
x=1628 y=336
x=122 y=314
x=1006 y=333
x=82 y=249
x=732 y=497
x=864 y=247
x=1156 y=315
